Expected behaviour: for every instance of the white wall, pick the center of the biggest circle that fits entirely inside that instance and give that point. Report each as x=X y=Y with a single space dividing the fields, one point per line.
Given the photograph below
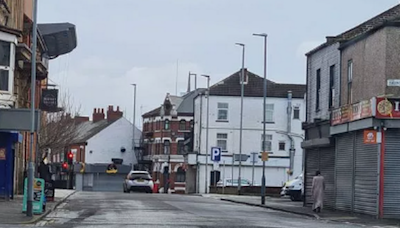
x=252 y=132
x=107 y=144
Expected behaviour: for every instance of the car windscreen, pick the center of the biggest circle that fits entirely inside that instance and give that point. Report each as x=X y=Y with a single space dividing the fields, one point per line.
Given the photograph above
x=143 y=176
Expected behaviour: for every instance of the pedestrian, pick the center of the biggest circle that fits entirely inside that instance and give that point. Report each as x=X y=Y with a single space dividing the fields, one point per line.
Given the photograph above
x=317 y=191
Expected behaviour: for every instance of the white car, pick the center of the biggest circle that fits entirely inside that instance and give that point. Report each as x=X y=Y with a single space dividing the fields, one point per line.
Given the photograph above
x=233 y=182
x=138 y=181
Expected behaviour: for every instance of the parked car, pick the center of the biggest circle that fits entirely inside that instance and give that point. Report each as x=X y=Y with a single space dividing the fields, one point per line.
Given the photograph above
x=140 y=181
x=294 y=188
x=233 y=182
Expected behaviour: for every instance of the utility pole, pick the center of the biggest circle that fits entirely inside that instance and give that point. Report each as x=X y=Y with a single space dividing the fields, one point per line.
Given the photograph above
x=207 y=127
x=134 y=124
x=263 y=182
x=31 y=169
x=241 y=117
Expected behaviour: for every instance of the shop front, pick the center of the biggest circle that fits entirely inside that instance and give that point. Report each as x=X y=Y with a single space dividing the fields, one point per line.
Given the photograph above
x=367 y=143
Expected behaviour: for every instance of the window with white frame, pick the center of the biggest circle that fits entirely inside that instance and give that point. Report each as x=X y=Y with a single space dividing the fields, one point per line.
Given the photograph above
x=5 y=57
x=269 y=112
x=222 y=141
x=267 y=140
x=282 y=145
x=223 y=111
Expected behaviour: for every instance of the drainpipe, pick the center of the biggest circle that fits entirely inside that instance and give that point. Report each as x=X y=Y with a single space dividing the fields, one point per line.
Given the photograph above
x=289 y=130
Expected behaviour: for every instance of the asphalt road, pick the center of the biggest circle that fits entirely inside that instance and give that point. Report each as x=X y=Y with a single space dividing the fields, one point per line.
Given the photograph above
x=119 y=210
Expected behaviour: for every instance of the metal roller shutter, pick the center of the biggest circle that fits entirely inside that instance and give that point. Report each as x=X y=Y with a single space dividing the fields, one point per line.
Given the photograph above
x=312 y=165
x=391 y=203
x=344 y=171
x=365 y=176
x=327 y=168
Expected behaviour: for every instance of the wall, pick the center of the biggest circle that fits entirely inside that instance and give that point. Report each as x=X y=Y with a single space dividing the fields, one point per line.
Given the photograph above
x=322 y=59
x=369 y=63
x=392 y=58
x=106 y=144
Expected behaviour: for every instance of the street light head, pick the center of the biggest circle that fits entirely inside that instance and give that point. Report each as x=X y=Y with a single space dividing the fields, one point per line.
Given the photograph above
x=260 y=34
x=240 y=44
x=204 y=75
x=133 y=84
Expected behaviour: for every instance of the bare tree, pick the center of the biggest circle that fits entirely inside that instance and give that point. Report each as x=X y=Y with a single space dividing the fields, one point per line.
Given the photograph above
x=58 y=129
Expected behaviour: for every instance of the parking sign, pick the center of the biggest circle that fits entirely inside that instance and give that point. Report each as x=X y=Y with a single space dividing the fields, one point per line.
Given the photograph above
x=215 y=154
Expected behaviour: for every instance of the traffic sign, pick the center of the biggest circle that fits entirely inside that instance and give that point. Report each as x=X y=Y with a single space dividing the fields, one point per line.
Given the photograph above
x=242 y=158
x=254 y=157
x=264 y=156
x=215 y=154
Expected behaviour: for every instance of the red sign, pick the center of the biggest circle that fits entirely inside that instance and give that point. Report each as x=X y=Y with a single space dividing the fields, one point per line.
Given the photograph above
x=370 y=136
x=352 y=112
x=387 y=108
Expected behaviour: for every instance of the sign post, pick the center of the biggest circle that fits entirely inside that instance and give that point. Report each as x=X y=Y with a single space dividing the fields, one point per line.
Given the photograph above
x=254 y=161
x=216 y=157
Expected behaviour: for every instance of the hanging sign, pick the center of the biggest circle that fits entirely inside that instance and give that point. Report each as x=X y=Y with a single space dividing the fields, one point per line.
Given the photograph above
x=370 y=136
x=49 y=100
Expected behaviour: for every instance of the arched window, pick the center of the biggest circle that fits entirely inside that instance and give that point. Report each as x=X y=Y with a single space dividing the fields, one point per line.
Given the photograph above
x=180 y=175
x=182 y=125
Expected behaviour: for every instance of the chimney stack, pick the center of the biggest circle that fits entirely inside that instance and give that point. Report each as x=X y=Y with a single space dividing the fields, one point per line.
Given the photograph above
x=81 y=119
x=113 y=115
x=97 y=115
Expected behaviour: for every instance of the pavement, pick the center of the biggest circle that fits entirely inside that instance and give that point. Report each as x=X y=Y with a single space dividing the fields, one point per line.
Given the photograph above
x=119 y=210
x=286 y=205
x=11 y=210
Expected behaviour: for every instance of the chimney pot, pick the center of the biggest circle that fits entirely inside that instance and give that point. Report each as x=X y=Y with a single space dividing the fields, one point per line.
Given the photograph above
x=102 y=110
x=117 y=108
x=94 y=110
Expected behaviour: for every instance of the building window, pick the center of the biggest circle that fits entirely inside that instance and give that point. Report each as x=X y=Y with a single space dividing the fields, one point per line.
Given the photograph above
x=282 y=145
x=167 y=147
x=269 y=113
x=5 y=50
x=318 y=89
x=350 y=82
x=296 y=113
x=181 y=147
x=166 y=124
x=223 y=111
x=222 y=141
x=267 y=143
x=182 y=125
x=180 y=175
x=331 y=85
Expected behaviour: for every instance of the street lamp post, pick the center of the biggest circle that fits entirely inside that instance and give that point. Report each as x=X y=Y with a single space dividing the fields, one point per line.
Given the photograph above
x=241 y=117
x=207 y=126
x=29 y=208
x=134 y=124
x=265 y=36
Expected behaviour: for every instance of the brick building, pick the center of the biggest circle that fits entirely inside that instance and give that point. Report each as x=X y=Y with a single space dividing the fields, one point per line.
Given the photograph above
x=165 y=130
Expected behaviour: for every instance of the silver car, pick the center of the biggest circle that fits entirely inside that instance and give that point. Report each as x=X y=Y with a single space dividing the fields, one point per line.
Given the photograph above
x=140 y=181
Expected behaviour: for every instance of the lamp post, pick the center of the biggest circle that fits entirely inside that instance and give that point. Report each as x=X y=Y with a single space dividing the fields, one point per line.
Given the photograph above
x=134 y=124
x=207 y=126
x=265 y=36
x=31 y=171
x=241 y=117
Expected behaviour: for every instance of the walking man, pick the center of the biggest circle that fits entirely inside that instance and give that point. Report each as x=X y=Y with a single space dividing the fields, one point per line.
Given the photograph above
x=317 y=191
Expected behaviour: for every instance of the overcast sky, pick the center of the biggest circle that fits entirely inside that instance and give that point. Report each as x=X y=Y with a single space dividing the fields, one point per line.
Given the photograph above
x=134 y=41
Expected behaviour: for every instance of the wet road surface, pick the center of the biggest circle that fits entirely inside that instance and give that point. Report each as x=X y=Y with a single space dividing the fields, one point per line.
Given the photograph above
x=119 y=210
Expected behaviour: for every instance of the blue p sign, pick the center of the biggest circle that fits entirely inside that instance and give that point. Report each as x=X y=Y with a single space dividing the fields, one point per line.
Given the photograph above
x=216 y=154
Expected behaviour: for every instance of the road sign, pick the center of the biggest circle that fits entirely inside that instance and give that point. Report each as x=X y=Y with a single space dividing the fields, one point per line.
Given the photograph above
x=244 y=157
x=215 y=154
x=264 y=156
x=254 y=157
